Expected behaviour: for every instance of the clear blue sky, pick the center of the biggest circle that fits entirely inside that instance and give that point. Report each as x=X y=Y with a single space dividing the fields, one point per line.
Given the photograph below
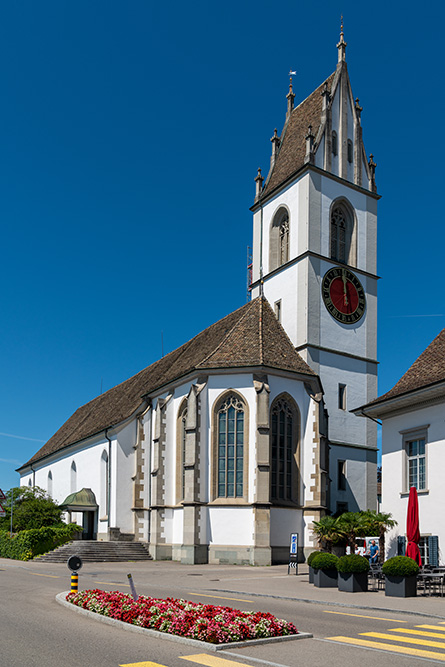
x=130 y=135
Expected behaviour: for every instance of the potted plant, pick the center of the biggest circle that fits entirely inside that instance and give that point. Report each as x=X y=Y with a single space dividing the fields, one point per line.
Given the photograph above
x=353 y=574
x=310 y=558
x=400 y=577
x=325 y=570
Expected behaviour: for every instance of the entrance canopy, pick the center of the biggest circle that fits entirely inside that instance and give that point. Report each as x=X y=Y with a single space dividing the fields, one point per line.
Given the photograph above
x=81 y=501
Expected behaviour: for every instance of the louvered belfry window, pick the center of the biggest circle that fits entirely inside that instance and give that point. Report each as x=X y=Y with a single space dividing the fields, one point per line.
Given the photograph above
x=231 y=448
x=284 y=241
x=282 y=450
x=338 y=235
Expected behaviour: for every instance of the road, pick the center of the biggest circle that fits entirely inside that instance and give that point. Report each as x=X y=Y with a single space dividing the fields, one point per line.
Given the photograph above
x=36 y=631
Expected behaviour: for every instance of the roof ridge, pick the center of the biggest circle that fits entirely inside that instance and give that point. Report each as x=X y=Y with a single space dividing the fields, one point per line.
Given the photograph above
x=229 y=333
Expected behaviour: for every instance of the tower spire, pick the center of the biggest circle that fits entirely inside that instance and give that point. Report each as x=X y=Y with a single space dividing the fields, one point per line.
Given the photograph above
x=341 y=46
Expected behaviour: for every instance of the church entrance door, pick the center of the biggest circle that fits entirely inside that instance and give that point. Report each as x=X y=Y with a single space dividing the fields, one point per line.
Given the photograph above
x=88 y=526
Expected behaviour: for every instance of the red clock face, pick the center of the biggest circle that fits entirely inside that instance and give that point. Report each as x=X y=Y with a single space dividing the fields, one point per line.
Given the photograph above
x=343 y=295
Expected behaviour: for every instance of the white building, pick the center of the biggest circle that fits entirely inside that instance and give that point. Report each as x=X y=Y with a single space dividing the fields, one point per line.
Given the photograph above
x=218 y=451
x=413 y=449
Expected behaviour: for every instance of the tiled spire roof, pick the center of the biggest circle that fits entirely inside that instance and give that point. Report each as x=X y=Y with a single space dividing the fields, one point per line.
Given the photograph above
x=249 y=337
x=292 y=151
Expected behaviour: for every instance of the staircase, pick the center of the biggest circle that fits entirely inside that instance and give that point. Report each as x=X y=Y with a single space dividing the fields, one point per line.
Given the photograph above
x=96 y=552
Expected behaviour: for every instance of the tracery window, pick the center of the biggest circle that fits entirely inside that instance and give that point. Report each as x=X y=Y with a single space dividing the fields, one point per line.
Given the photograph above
x=279 y=239
x=183 y=418
x=285 y=426
x=342 y=233
x=230 y=452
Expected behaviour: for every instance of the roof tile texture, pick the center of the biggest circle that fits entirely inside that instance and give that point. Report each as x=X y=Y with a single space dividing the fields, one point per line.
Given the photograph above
x=250 y=336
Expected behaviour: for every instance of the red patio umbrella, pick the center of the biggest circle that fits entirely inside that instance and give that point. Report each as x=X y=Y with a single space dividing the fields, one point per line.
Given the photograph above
x=412 y=527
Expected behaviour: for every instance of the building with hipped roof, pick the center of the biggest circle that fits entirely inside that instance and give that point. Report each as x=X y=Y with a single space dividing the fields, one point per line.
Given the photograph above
x=413 y=442
x=220 y=450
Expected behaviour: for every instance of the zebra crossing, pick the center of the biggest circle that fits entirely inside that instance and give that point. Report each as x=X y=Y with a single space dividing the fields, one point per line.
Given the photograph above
x=417 y=641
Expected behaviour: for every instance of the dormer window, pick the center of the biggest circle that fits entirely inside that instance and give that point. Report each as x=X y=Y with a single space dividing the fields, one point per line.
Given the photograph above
x=334 y=143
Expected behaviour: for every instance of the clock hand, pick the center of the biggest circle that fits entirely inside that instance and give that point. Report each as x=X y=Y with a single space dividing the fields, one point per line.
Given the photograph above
x=345 y=293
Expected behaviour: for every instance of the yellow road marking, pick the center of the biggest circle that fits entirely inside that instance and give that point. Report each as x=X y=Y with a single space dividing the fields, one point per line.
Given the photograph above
x=142 y=664
x=37 y=574
x=420 y=653
x=219 y=597
x=376 y=618
x=212 y=660
x=439 y=635
x=113 y=583
x=431 y=627
x=406 y=640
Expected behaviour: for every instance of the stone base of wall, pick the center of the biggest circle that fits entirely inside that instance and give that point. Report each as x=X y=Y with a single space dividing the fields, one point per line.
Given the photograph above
x=239 y=555
x=160 y=551
x=194 y=554
x=280 y=555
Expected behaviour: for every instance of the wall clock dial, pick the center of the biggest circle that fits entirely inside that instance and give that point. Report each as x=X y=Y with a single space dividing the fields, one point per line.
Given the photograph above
x=343 y=295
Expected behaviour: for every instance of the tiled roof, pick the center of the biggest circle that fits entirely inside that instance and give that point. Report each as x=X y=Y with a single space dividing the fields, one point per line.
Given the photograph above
x=250 y=336
x=427 y=370
x=293 y=143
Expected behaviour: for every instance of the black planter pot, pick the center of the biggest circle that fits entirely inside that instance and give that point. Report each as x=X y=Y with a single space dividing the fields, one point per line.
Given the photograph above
x=325 y=578
x=311 y=574
x=400 y=587
x=353 y=582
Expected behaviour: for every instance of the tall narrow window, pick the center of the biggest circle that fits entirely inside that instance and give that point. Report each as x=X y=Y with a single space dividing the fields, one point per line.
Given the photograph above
x=183 y=418
x=73 y=480
x=416 y=471
x=50 y=483
x=284 y=451
x=341 y=475
x=277 y=310
x=342 y=397
x=104 y=485
x=342 y=233
x=279 y=239
x=350 y=151
x=334 y=143
x=230 y=459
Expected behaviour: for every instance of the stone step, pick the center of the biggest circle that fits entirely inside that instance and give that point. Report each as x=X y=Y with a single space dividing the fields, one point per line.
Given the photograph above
x=92 y=551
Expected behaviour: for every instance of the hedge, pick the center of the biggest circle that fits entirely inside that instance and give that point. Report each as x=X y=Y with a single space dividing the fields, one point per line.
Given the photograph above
x=29 y=543
x=311 y=557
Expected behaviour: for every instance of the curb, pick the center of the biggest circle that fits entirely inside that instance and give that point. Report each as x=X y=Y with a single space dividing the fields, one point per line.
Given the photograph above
x=61 y=599
x=331 y=604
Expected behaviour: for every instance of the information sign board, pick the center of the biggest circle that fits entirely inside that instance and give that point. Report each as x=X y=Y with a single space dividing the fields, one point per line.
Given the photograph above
x=293 y=553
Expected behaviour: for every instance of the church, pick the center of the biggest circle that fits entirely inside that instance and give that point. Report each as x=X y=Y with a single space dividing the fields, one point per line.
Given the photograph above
x=220 y=450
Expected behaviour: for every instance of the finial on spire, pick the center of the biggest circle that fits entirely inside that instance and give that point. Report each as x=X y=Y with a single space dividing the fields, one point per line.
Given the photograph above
x=341 y=46
x=259 y=184
x=290 y=96
x=372 y=165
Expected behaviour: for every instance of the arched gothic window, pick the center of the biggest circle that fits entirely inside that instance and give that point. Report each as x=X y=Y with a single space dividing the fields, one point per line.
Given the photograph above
x=73 y=480
x=285 y=450
x=334 y=143
x=180 y=451
x=279 y=239
x=342 y=234
x=104 y=485
x=231 y=447
x=50 y=483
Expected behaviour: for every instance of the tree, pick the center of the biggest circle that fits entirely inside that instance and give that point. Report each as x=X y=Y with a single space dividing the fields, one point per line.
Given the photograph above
x=352 y=525
x=378 y=523
x=32 y=508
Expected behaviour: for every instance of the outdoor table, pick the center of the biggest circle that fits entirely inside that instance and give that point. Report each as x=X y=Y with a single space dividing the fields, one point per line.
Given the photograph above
x=431 y=580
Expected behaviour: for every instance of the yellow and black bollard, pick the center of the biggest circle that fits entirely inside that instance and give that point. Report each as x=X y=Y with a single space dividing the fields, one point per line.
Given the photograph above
x=74 y=582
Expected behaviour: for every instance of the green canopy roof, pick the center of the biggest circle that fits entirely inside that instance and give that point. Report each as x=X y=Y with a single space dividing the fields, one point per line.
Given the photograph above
x=81 y=501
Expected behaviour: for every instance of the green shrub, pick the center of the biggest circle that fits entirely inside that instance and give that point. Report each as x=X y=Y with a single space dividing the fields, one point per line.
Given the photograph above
x=401 y=566
x=311 y=557
x=324 y=561
x=29 y=543
x=353 y=563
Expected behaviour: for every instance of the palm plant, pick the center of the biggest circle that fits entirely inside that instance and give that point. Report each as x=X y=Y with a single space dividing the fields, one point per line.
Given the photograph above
x=378 y=523
x=352 y=525
x=327 y=532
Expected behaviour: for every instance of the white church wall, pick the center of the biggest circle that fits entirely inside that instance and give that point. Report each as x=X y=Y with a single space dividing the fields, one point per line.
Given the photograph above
x=124 y=459
x=230 y=526
x=395 y=490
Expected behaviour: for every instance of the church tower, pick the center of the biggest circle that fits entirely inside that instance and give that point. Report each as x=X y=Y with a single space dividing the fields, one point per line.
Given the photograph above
x=314 y=259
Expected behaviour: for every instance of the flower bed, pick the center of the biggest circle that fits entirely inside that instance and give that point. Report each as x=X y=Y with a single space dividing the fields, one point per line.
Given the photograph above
x=217 y=625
